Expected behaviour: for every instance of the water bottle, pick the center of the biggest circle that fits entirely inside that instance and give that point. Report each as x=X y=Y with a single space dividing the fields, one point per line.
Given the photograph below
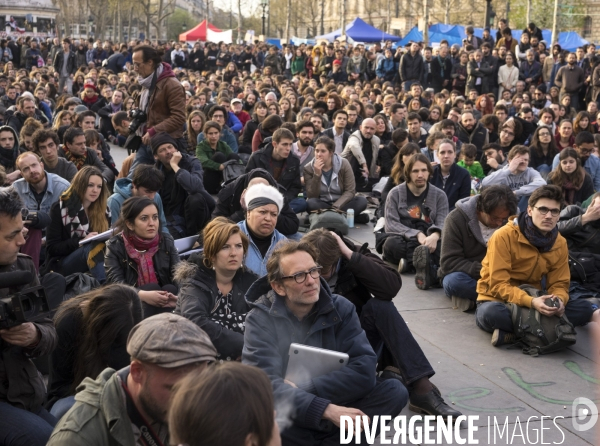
x=350 y=217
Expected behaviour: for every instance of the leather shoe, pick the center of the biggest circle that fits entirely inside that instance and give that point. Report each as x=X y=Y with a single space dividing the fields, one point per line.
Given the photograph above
x=431 y=404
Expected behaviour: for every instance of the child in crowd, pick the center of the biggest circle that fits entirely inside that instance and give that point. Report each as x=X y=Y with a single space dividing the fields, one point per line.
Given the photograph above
x=468 y=153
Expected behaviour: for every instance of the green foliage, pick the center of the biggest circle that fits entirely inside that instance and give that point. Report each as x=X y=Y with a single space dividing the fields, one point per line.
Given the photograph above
x=176 y=21
x=542 y=11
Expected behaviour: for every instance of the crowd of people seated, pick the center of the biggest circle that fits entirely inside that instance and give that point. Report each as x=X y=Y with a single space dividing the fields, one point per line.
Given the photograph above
x=478 y=165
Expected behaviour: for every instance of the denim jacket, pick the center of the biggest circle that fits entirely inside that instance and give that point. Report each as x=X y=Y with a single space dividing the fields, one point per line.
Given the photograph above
x=56 y=186
x=254 y=260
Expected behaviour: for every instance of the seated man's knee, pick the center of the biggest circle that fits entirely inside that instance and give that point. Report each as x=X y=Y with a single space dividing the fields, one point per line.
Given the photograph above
x=394 y=396
x=392 y=248
x=313 y=204
x=492 y=315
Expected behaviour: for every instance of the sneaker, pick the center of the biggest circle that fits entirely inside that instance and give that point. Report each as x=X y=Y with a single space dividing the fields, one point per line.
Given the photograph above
x=421 y=262
x=500 y=337
x=462 y=304
x=402 y=266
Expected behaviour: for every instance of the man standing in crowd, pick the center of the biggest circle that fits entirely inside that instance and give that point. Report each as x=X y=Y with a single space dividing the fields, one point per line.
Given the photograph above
x=161 y=99
x=130 y=406
x=23 y=419
x=411 y=67
x=570 y=79
x=292 y=304
x=441 y=68
x=467 y=231
x=45 y=144
x=65 y=64
x=187 y=204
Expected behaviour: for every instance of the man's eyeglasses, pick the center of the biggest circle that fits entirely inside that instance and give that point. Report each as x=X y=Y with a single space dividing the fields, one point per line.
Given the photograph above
x=300 y=277
x=544 y=210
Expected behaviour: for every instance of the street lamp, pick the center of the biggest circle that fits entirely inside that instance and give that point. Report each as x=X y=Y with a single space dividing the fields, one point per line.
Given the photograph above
x=264 y=4
x=184 y=26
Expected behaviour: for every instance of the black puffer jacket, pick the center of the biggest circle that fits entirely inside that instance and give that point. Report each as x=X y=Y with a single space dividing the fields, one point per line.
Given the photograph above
x=120 y=268
x=580 y=237
x=290 y=173
x=228 y=203
x=198 y=297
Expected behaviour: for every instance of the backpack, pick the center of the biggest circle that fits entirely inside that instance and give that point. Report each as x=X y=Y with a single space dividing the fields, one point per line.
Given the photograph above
x=332 y=219
x=233 y=170
x=539 y=334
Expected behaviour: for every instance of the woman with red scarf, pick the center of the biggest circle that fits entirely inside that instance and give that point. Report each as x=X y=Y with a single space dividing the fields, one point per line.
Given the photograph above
x=89 y=96
x=143 y=256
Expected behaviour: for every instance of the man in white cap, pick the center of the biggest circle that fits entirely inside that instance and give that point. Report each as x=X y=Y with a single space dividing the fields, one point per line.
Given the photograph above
x=263 y=204
x=129 y=407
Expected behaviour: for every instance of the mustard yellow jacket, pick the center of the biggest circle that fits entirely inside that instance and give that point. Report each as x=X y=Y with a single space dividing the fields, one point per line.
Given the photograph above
x=512 y=261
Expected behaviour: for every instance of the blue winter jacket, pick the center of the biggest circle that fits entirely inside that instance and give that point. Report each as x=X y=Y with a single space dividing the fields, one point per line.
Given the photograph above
x=254 y=261
x=385 y=66
x=269 y=333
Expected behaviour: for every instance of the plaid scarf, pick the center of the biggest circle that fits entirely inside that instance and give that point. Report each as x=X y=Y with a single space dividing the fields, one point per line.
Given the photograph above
x=142 y=251
x=79 y=161
x=543 y=243
x=76 y=220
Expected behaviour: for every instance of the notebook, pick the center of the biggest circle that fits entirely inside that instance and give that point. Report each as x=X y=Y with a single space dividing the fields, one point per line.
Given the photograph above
x=308 y=362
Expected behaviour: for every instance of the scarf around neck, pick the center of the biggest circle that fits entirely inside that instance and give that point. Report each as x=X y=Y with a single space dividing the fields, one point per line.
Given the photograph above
x=543 y=243
x=146 y=83
x=142 y=252
x=79 y=161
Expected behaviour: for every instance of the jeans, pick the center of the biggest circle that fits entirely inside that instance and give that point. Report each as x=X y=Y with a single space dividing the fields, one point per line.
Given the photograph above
x=392 y=341
x=76 y=262
x=298 y=205
x=62 y=406
x=19 y=427
x=65 y=82
x=397 y=247
x=523 y=202
x=461 y=285
x=492 y=315
x=387 y=398
x=358 y=203
x=544 y=170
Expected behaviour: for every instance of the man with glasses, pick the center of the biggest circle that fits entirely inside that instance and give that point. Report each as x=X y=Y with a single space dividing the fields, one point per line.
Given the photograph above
x=370 y=284
x=293 y=304
x=584 y=144
x=520 y=255
x=521 y=178
x=465 y=236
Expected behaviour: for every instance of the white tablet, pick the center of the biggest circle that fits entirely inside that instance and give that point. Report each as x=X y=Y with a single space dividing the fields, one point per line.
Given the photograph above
x=307 y=362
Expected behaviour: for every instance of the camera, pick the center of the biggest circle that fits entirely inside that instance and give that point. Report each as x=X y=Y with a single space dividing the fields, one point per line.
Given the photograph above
x=552 y=302
x=27 y=305
x=138 y=117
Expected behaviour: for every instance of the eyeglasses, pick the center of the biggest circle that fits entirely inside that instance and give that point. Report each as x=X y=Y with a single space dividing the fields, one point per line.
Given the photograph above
x=300 y=277
x=544 y=210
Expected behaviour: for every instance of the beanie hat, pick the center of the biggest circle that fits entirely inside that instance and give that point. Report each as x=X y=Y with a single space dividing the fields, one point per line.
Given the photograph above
x=260 y=194
x=160 y=139
x=89 y=85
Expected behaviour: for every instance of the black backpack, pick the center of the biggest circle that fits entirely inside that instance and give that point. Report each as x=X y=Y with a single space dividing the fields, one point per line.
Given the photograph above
x=539 y=334
x=232 y=171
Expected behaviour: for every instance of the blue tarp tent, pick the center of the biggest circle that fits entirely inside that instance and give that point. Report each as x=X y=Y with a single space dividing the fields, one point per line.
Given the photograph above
x=360 y=31
x=413 y=35
x=570 y=40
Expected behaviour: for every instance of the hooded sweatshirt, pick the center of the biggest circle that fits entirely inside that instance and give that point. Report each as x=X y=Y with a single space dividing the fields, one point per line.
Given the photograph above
x=521 y=183
x=122 y=193
x=9 y=156
x=341 y=188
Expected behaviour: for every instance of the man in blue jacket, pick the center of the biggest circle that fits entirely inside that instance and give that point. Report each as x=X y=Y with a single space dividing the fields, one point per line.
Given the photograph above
x=187 y=204
x=292 y=304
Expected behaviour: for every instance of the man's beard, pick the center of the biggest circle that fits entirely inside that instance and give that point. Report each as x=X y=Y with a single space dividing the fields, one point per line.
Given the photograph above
x=150 y=407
